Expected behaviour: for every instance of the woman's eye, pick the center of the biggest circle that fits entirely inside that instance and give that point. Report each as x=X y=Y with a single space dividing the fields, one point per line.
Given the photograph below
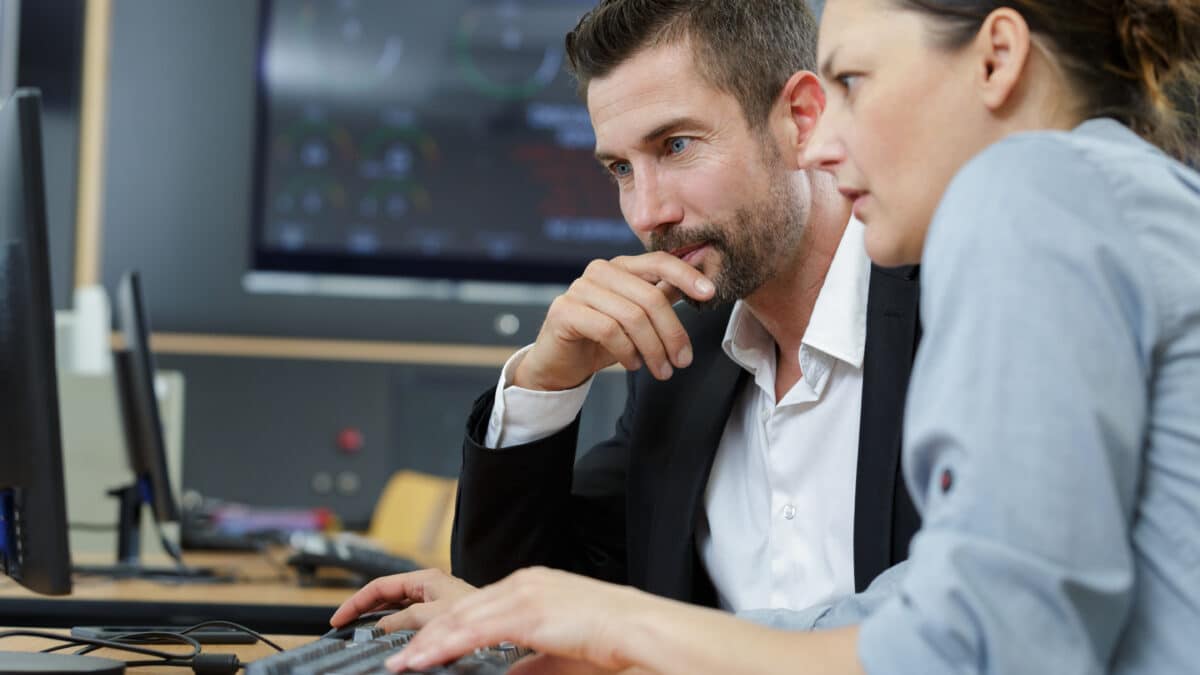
x=848 y=81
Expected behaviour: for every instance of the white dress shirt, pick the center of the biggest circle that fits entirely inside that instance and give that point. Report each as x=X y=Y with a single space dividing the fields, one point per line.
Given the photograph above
x=777 y=529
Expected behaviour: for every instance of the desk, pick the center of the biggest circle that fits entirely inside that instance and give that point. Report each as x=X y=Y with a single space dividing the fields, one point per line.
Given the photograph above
x=268 y=599
x=245 y=653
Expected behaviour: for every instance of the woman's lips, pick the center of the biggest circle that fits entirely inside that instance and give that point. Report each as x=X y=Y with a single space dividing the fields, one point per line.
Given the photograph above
x=858 y=199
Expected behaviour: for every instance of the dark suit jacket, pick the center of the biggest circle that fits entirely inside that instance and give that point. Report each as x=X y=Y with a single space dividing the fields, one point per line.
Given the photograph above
x=626 y=512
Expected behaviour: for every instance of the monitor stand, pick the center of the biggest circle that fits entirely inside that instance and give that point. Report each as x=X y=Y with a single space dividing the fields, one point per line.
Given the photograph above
x=129 y=543
x=22 y=663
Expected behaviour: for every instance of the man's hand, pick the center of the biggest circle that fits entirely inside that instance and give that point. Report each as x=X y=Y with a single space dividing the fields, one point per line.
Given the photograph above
x=619 y=311
x=420 y=596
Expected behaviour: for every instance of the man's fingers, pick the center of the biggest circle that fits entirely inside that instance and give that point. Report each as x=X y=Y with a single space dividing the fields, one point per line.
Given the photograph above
x=605 y=331
x=644 y=310
x=672 y=294
x=635 y=320
x=659 y=266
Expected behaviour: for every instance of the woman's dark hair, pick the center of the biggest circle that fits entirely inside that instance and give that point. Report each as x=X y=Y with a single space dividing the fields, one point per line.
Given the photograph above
x=1137 y=61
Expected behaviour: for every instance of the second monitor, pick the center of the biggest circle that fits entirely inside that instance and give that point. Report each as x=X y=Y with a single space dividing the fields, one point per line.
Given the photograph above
x=133 y=364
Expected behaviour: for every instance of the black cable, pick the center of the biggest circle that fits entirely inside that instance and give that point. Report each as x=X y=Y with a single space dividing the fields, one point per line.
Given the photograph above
x=75 y=641
x=156 y=636
x=204 y=664
x=236 y=626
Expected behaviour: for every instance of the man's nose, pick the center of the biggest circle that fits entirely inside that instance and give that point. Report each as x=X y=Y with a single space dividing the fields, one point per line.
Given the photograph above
x=653 y=204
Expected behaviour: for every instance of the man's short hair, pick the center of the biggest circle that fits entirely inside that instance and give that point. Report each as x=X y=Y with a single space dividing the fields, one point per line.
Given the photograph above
x=747 y=48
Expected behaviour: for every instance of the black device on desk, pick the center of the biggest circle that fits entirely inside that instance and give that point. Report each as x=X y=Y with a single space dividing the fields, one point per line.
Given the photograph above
x=313 y=552
x=33 y=511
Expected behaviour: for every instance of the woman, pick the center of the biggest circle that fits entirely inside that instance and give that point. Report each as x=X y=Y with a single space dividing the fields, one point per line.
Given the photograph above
x=1053 y=430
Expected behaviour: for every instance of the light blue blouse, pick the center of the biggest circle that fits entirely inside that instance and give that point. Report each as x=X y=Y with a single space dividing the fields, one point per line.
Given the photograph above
x=1052 y=438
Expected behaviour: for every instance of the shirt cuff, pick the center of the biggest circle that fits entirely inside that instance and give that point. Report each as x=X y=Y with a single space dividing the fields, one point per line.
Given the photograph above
x=521 y=416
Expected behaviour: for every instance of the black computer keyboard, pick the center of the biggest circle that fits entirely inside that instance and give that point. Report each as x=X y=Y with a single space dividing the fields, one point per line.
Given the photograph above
x=366 y=652
x=311 y=552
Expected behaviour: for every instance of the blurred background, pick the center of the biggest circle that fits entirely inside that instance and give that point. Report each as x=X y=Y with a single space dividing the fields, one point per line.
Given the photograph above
x=346 y=214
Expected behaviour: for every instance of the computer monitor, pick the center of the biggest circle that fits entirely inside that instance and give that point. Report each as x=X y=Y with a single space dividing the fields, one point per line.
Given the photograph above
x=438 y=147
x=33 y=506
x=33 y=516
x=140 y=415
x=133 y=365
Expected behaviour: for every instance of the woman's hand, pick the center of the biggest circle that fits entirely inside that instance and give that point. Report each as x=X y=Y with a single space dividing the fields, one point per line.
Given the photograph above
x=419 y=595
x=578 y=625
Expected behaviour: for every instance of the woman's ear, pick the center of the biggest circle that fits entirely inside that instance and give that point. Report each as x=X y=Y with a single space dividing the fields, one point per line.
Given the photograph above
x=1002 y=46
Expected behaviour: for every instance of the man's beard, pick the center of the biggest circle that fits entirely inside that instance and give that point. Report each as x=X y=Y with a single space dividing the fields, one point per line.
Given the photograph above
x=760 y=238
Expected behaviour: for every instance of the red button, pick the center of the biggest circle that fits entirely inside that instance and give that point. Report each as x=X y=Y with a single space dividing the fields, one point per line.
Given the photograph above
x=947 y=480
x=350 y=440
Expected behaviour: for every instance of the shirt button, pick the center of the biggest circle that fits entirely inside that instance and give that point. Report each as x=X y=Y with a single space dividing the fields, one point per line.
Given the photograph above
x=789 y=512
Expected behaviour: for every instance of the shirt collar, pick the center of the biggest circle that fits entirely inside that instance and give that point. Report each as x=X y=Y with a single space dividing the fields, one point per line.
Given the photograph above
x=838 y=326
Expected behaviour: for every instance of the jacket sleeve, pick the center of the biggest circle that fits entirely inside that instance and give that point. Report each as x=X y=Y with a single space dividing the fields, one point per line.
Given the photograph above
x=533 y=504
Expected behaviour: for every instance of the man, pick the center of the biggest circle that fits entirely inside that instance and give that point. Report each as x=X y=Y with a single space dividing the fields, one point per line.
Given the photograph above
x=756 y=462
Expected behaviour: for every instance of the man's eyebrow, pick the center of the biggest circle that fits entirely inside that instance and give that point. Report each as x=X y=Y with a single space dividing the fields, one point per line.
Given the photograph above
x=664 y=129
x=605 y=157
x=670 y=126
x=826 y=69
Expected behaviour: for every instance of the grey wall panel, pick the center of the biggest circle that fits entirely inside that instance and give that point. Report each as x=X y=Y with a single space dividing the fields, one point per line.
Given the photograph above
x=179 y=181
x=260 y=431
x=177 y=207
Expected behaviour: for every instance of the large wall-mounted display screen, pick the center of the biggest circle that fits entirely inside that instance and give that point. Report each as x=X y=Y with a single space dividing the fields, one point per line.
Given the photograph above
x=433 y=140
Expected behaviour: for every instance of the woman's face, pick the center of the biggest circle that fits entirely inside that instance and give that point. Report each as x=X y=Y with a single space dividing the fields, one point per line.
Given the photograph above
x=902 y=116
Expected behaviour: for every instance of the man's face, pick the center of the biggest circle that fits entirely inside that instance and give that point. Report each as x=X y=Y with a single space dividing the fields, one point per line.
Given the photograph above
x=694 y=179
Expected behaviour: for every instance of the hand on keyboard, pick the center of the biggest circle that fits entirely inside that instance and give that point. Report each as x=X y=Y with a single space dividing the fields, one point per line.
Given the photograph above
x=420 y=596
x=365 y=651
x=578 y=624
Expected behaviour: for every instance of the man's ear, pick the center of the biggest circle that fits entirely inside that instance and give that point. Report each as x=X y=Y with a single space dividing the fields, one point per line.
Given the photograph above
x=804 y=101
x=1002 y=47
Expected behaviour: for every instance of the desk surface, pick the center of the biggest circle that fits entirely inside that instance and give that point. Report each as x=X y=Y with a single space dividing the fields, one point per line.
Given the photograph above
x=266 y=597
x=245 y=653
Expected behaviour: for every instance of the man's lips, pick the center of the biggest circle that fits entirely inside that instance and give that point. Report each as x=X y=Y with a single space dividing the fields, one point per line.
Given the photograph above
x=686 y=253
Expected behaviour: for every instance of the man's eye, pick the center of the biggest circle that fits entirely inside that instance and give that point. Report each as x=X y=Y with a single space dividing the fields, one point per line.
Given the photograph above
x=678 y=144
x=620 y=169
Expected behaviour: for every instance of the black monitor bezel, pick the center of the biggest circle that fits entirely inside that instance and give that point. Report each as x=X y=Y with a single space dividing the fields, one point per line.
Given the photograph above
x=31 y=412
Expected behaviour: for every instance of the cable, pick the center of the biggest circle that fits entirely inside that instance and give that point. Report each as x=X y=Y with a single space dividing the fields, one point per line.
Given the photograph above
x=236 y=626
x=202 y=664
x=93 y=644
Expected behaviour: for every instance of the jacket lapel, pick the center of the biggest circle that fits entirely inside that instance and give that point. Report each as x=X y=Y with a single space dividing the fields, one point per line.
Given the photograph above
x=671 y=568
x=893 y=330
